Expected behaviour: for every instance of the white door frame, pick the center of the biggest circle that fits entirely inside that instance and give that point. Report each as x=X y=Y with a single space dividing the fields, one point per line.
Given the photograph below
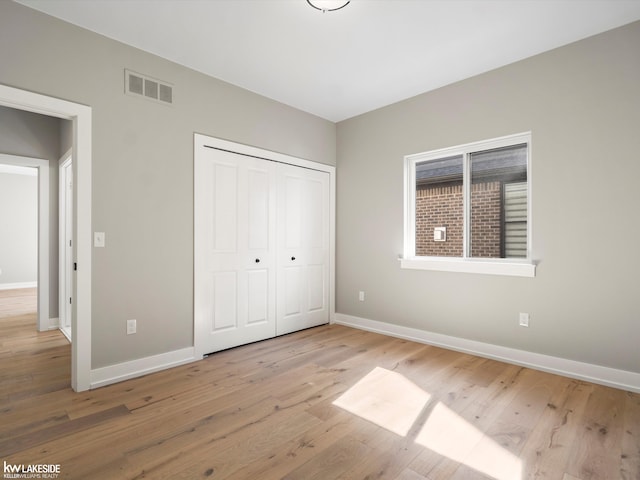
x=80 y=115
x=43 y=231
x=202 y=141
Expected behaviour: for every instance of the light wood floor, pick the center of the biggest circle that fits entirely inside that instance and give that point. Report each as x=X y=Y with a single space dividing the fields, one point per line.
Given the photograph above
x=326 y=403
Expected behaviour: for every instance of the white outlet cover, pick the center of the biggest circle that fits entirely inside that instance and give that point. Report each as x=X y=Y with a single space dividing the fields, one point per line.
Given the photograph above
x=131 y=327
x=524 y=319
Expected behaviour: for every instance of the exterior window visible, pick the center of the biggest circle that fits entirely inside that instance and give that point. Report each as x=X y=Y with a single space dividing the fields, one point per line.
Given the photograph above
x=470 y=202
x=439 y=204
x=499 y=202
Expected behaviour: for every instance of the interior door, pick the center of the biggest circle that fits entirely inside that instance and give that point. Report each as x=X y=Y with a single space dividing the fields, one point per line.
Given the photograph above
x=235 y=253
x=303 y=248
x=65 y=262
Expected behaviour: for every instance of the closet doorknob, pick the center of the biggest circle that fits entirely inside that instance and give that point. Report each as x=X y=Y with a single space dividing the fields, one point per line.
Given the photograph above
x=293 y=258
x=257 y=260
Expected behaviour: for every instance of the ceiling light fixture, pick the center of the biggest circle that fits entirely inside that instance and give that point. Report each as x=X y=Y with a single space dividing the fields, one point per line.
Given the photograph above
x=328 y=5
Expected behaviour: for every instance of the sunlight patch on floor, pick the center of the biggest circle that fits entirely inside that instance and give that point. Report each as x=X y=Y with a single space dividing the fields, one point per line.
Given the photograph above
x=385 y=398
x=393 y=402
x=450 y=435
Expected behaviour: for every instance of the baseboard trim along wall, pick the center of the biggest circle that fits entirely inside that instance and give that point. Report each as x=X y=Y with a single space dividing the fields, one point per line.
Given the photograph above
x=54 y=323
x=101 y=377
x=610 y=377
x=14 y=286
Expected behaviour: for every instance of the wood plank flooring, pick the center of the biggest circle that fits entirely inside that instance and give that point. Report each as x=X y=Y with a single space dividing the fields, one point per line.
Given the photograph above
x=326 y=403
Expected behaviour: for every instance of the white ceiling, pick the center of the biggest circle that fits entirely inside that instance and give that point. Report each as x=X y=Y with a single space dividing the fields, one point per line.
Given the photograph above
x=340 y=64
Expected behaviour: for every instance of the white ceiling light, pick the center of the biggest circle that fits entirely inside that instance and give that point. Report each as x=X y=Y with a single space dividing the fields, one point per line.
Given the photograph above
x=328 y=5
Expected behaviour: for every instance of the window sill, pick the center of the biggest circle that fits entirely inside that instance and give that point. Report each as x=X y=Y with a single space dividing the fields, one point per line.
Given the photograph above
x=465 y=265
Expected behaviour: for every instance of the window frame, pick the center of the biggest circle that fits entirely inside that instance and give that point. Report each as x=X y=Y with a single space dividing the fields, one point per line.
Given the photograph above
x=523 y=267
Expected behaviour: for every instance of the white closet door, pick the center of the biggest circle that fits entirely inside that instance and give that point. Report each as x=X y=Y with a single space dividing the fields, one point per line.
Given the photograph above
x=303 y=248
x=234 y=249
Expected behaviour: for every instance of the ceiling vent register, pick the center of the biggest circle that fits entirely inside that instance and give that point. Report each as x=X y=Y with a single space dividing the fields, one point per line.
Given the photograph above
x=148 y=87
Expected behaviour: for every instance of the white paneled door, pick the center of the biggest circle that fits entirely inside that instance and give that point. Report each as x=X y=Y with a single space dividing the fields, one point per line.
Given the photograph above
x=235 y=268
x=261 y=249
x=303 y=248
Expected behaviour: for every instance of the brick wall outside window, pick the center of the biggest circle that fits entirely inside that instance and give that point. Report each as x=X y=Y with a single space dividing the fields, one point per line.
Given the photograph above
x=441 y=206
x=486 y=213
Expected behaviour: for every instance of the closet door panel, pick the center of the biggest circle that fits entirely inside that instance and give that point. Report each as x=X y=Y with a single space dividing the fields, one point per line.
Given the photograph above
x=290 y=281
x=234 y=250
x=225 y=314
x=317 y=287
x=292 y=211
x=225 y=214
x=259 y=215
x=258 y=296
x=303 y=248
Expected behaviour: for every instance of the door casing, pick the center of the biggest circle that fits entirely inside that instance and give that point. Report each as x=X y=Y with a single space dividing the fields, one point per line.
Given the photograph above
x=80 y=115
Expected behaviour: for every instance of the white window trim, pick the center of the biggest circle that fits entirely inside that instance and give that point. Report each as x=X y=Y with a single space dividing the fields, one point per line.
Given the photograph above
x=493 y=266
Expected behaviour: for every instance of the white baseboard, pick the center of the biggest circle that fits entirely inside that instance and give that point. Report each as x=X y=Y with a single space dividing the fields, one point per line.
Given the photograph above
x=66 y=333
x=14 y=286
x=610 y=377
x=142 y=366
x=54 y=323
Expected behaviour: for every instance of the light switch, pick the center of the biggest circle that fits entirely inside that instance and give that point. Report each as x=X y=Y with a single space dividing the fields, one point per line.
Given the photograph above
x=98 y=239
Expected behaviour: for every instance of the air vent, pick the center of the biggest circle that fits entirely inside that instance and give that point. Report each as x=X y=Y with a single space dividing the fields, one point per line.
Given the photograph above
x=166 y=93
x=151 y=89
x=136 y=84
x=148 y=87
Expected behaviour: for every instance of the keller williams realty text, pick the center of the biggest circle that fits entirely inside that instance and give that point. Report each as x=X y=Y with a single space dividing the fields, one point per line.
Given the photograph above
x=31 y=471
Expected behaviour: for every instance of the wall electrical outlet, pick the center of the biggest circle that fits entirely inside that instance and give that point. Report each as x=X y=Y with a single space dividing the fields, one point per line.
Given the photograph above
x=361 y=296
x=524 y=319
x=131 y=327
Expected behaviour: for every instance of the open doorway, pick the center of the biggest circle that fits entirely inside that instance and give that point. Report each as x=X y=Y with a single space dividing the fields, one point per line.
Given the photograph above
x=80 y=116
x=18 y=242
x=18 y=248
x=18 y=227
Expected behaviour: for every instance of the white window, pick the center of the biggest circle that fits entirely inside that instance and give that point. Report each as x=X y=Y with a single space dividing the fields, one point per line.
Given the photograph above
x=468 y=208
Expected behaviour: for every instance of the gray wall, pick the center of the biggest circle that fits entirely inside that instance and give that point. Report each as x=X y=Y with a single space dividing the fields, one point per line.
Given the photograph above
x=28 y=134
x=582 y=105
x=18 y=228
x=143 y=168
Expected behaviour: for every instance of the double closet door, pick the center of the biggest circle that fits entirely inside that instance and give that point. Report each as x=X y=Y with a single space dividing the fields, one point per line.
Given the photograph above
x=261 y=249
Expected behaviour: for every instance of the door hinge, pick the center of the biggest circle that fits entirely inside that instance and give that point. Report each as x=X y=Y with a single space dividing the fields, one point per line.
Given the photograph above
x=69 y=300
x=75 y=266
